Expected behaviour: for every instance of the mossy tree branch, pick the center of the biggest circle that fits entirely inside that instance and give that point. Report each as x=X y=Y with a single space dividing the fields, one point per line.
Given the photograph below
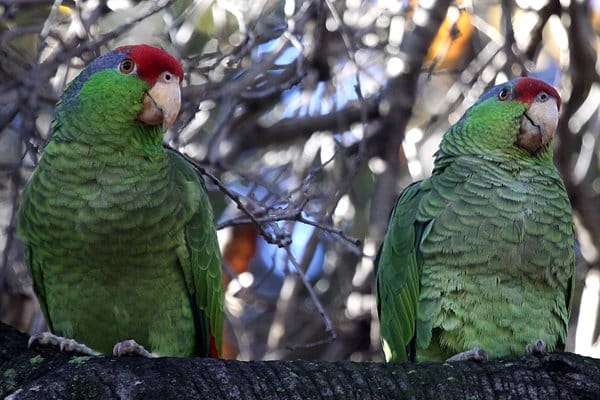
x=42 y=372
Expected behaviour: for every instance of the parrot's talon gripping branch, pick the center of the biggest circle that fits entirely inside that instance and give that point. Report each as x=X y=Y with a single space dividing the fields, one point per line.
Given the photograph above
x=475 y=354
x=131 y=348
x=536 y=348
x=64 y=344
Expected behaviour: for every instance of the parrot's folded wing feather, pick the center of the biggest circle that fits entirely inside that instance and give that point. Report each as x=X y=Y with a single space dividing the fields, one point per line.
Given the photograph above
x=398 y=274
x=33 y=262
x=200 y=261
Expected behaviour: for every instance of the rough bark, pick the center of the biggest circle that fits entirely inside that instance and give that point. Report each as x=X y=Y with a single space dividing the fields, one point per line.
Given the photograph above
x=42 y=372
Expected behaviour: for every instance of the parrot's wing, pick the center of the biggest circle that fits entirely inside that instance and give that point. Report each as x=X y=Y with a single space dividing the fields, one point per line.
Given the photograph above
x=398 y=273
x=201 y=262
x=32 y=262
x=569 y=292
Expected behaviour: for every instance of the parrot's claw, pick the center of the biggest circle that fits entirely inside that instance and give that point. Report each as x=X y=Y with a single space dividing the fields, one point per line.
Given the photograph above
x=537 y=348
x=64 y=344
x=131 y=348
x=475 y=354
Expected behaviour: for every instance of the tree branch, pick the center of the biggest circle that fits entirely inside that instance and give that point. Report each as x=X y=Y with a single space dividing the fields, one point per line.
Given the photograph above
x=253 y=135
x=42 y=372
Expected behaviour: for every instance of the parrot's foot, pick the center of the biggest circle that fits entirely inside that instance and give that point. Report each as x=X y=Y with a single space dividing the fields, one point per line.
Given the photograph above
x=475 y=354
x=64 y=344
x=538 y=348
x=131 y=348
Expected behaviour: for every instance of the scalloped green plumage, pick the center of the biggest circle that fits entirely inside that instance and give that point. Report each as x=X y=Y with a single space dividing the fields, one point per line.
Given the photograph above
x=118 y=231
x=481 y=253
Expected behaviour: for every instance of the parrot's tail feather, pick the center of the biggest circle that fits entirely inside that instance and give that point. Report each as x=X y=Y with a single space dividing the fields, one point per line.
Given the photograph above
x=214 y=352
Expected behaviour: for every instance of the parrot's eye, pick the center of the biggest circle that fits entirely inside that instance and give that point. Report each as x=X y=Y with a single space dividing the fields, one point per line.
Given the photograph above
x=126 y=66
x=543 y=96
x=503 y=95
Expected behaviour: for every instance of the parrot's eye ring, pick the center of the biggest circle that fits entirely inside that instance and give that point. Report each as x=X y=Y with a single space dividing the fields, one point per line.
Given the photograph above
x=503 y=95
x=543 y=96
x=126 y=66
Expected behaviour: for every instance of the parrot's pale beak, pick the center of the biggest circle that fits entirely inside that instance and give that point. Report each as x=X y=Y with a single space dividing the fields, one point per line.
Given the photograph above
x=538 y=124
x=162 y=102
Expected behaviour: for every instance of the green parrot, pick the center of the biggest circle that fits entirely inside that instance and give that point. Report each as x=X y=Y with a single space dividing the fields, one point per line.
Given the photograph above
x=478 y=259
x=118 y=231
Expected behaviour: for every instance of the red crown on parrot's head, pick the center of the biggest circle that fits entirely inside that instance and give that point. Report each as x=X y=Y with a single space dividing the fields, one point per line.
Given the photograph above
x=526 y=89
x=152 y=61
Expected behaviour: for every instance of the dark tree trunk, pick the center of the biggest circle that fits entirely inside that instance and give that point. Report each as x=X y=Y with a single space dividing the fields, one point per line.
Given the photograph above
x=45 y=373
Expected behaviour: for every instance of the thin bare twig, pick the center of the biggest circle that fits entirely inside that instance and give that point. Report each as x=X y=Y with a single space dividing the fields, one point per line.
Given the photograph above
x=273 y=239
x=329 y=327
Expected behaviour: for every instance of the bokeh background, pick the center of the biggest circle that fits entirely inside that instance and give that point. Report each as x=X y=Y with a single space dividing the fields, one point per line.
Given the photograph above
x=308 y=118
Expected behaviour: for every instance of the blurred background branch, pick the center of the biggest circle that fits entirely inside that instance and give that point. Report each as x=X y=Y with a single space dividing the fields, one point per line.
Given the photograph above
x=307 y=118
